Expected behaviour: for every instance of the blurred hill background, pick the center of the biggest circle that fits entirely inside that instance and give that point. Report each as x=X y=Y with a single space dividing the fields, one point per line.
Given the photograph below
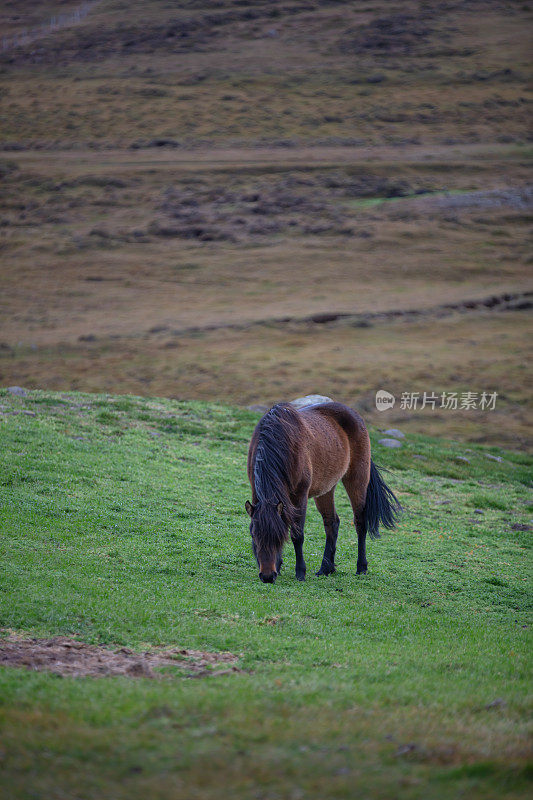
x=248 y=201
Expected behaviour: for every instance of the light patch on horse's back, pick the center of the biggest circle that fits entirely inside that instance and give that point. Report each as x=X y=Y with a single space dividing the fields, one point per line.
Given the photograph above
x=310 y=400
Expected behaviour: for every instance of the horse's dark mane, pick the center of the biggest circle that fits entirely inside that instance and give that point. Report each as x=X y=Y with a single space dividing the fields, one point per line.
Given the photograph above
x=273 y=462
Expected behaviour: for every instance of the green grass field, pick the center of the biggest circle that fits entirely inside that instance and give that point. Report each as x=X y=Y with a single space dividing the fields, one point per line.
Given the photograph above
x=183 y=187
x=123 y=525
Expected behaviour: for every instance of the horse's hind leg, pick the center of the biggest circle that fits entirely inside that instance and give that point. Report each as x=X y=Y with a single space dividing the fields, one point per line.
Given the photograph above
x=326 y=506
x=360 y=524
x=356 y=482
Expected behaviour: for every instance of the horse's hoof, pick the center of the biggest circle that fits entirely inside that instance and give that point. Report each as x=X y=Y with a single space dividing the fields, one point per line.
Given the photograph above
x=323 y=571
x=300 y=577
x=362 y=571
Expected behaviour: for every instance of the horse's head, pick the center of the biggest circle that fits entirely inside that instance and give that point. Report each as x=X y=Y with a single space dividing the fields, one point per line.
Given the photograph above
x=269 y=533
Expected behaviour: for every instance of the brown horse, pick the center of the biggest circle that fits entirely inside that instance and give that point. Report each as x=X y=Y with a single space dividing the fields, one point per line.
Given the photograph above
x=295 y=455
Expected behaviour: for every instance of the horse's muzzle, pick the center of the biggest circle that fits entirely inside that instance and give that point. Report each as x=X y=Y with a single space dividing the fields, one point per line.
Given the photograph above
x=268 y=578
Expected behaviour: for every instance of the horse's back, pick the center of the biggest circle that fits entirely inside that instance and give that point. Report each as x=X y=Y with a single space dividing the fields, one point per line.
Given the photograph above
x=319 y=444
x=348 y=419
x=341 y=424
x=327 y=444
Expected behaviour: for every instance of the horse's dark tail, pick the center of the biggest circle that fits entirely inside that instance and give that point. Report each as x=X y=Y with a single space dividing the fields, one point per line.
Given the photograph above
x=381 y=504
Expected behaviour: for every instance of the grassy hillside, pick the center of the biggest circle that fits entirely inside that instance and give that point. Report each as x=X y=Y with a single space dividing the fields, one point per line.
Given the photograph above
x=133 y=72
x=175 y=165
x=123 y=525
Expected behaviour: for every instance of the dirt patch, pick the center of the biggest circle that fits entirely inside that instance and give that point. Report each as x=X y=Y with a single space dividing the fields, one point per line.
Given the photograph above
x=513 y=199
x=64 y=656
x=252 y=206
x=392 y=35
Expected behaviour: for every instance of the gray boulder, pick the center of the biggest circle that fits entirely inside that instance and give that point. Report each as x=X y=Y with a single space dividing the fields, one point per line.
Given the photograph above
x=310 y=400
x=395 y=433
x=259 y=408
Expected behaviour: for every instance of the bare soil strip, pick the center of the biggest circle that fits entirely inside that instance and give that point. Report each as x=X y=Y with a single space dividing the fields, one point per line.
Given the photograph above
x=68 y=657
x=504 y=302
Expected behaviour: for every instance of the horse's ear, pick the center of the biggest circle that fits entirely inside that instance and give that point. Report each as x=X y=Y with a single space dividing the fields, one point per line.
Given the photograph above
x=279 y=508
x=249 y=507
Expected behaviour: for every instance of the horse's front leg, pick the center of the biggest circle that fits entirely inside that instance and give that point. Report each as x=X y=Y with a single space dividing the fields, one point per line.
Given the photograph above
x=297 y=536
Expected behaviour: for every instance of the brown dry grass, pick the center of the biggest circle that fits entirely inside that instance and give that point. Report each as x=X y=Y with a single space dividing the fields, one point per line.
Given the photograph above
x=389 y=73
x=322 y=112
x=478 y=352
